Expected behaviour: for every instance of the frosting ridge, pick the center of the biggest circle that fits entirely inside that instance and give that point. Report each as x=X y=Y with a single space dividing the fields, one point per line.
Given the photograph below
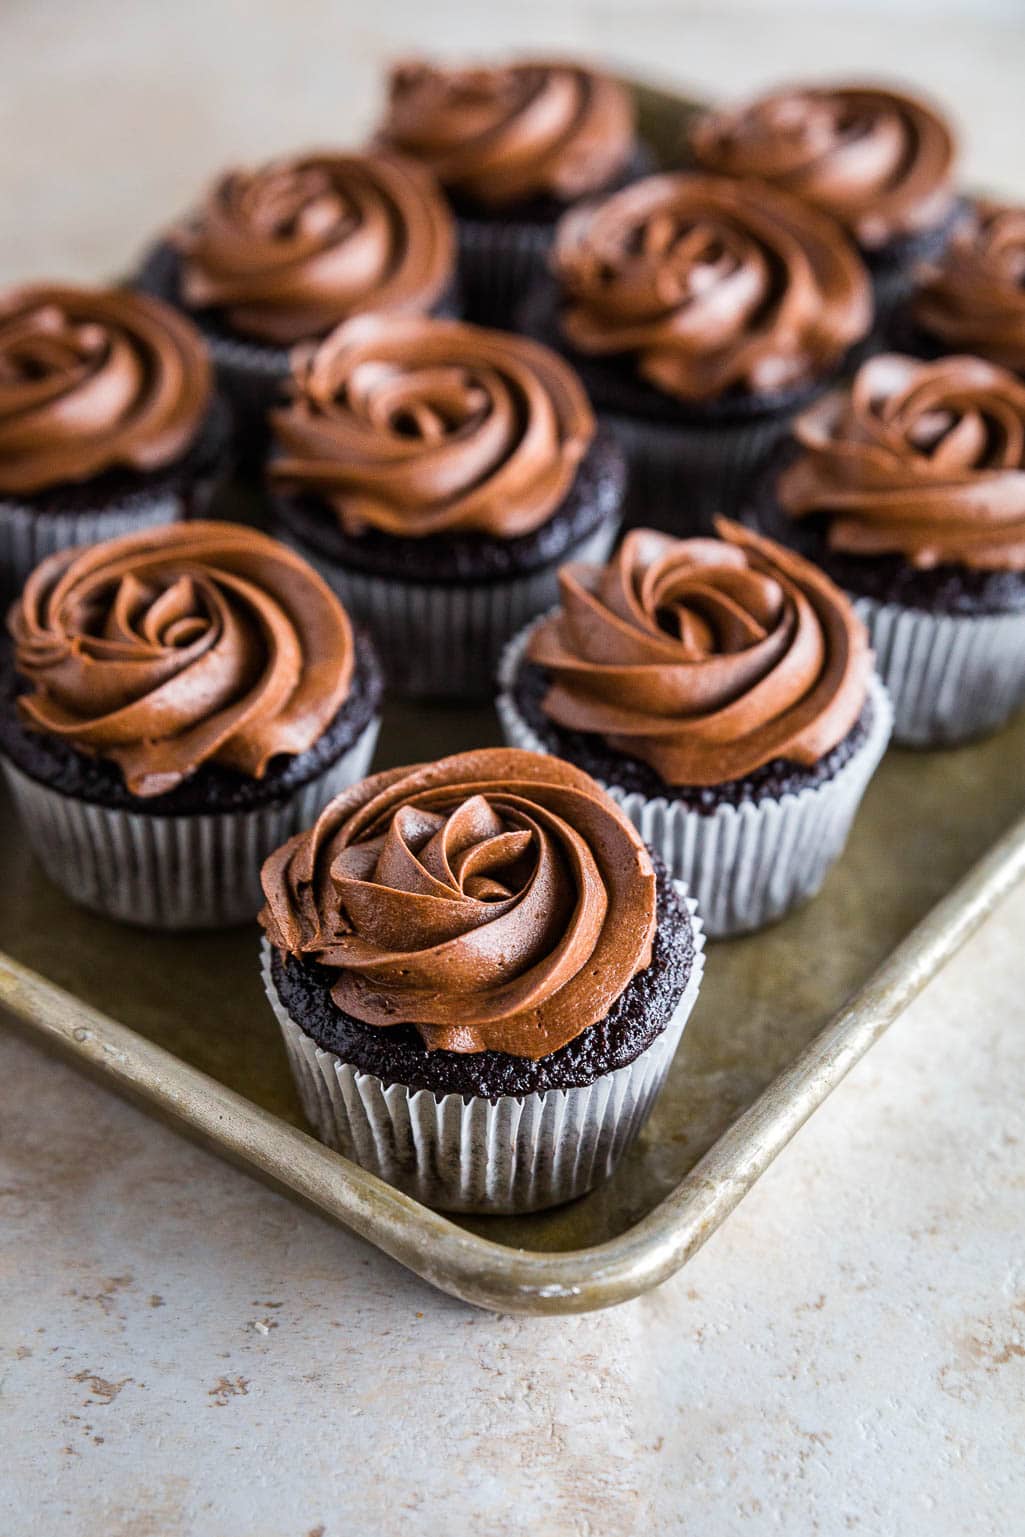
x=502 y=134
x=92 y=380
x=420 y=426
x=973 y=298
x=711 y=284
x=496 y=900
x=186 y=644
x=923 y=460
x=704 y=658
x=294 y=247
x=879 y=161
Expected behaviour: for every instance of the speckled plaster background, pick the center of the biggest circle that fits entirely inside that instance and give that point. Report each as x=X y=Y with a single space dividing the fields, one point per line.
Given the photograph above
x=182 y=1353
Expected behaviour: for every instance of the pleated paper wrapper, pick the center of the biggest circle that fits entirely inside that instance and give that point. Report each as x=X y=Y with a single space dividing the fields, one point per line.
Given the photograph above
x=519 y=1153
x=438 y=640
x=187 y=871
x=951 y=677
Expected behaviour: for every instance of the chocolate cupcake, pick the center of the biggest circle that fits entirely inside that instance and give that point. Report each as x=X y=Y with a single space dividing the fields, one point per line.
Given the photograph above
x=481 y=975
x=514 y=146
x=908 y=488
x=178 y=702
x=283 y=253
x=878 y=161
x=972 y=300
x=701 y=315
x=722 y=691
x=437 y=474
x=108 y=421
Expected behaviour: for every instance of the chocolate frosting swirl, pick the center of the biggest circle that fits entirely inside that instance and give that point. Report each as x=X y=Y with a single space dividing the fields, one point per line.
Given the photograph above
x=497 y=900
x=93 y=380
x=712 y=285
x=419 y=427
x=704 y=658
x=186 y=644
x=504 y=134
x=880 y=162
x=295 y=247
x=923 y=460
x=973 y=300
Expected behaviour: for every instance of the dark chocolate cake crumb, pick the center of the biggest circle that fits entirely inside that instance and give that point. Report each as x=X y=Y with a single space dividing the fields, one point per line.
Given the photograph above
x=949 y=589
x=396 y=1054
x=454 y=558
x=55 y=763
x=593 y=754
x=545 y=209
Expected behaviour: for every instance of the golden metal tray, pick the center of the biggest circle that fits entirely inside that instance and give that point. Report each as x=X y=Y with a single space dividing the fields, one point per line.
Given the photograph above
x=180 y=1022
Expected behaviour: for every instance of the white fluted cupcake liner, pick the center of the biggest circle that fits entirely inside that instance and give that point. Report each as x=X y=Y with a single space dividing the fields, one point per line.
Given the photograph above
x=518 y=1153
x=440 y=640
x=27 y=536
x=195 y=871
x=681 y=475
x=951 y=677
x=745 y=865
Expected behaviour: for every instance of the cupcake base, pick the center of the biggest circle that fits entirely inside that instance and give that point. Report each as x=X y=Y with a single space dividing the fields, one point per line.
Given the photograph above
x=118 y=502
x=746 y=864
x=952 y=678
x=512 y=1153
x=192 y=871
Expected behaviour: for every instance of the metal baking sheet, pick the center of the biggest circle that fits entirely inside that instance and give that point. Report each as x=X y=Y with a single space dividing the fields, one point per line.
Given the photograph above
x=180 y=1023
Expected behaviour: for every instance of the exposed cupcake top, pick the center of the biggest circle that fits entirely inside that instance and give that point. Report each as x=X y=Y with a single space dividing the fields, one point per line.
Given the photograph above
x=713 y=285
x=94 y=380
x=292 y=248
x=973 y=299
x=879 y=161
x=186 y=644
x=704 y=658
x=923 y=460
x=419 y=427
x=497 y=900
x=503 y=134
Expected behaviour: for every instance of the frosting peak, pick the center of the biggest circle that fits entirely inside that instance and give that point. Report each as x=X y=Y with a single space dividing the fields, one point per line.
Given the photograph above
x=880 y=162
x=712 y=284
x=418 y=427
x=497 y=900
x=181 y=645
x=508 y=133
x=92 y=380
x=923 y=460
x=704 y=658
x=973 y=299
x=296 y=246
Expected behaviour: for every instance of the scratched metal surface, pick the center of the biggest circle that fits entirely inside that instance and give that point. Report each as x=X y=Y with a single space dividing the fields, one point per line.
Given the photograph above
x=926 y=819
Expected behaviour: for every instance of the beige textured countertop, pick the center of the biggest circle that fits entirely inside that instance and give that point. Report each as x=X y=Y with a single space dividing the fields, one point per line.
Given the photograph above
x=183 y=1354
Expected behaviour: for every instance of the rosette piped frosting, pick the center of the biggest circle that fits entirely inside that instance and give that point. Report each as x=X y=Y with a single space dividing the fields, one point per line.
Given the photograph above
x=496 y=900
x=179 y=646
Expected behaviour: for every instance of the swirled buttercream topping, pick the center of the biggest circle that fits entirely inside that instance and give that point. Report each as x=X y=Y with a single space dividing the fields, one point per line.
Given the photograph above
x=500 y=135
x=973 y=299
x=712 y=285
x=880 y=162
x=419 y=427
x=704 y=658
x=496 y=900
x=182 y=645
x=93 y=380
x=923 y=460
x=295 y=247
